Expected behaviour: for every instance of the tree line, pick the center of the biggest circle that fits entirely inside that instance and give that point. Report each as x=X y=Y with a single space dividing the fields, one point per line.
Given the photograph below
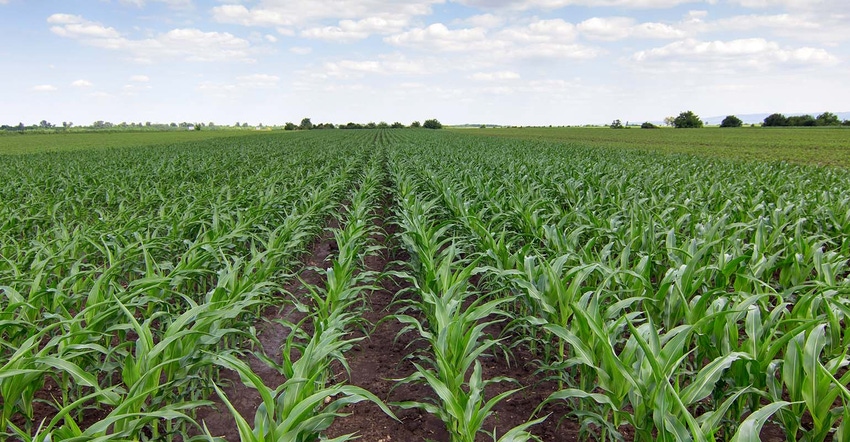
x=306 y=124
x=47 y=127
x=824 y=119
x=688 y=119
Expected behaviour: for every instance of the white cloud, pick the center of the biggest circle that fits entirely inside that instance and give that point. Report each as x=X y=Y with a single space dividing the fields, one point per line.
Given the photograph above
x=796 y=4
x=75 y=26
x=186 y=44
x=270 y=38
x=45 y=88
x=750 y=53
x=440 y=38
x=308 y=13
x=350 y=30
x=557 y=4
x=140 y=78
x=82 y=83
x=494 y=76
x=175 y=4
x=619 y=28
x=541 y=39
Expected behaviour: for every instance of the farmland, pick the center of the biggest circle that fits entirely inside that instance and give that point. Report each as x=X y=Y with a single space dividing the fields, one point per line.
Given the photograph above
x=426 y=285
x=40 y=143
x=829 y=146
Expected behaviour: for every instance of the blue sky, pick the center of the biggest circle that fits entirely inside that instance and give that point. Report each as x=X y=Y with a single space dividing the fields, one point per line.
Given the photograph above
x=527 y=62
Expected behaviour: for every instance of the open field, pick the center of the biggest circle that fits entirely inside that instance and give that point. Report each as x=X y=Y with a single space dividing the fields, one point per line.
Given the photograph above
x=414 y=284
x=828 y=146
x=14 y=143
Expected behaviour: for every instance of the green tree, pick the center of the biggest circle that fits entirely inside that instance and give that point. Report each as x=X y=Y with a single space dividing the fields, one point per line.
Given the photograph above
x=432 y=124
x=616 y=124
x=371 y=125
x=802 y=120
x=773 y=120
x=383 y=125
x=415 y=125
x=306 y=124
x=397 y=125
x=687 y=120
x=668 y=121
x=648 y=125
x=731 y=121
x=828 y=119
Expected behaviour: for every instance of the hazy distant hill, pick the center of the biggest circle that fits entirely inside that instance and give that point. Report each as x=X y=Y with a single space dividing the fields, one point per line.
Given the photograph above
x=758 y=118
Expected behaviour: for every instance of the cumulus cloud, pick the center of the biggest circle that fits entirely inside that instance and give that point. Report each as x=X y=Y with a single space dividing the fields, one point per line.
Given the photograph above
x=552 y=39
x=619 y=28
x=350 y=30
x=556 y=4
x=140 y=78
x=439 y=37
x=750 y=53
x=82 y=83
x=187 y=44
x=310 y=13
x=45 y=88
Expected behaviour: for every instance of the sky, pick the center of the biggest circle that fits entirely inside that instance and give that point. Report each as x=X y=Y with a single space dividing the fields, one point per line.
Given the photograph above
x=515 y=62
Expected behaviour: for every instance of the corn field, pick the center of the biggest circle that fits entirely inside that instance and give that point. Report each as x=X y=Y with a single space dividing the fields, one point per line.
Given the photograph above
x=669 y=297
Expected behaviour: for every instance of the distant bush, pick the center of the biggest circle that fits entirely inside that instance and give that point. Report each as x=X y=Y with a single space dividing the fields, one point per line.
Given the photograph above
x=616 y=124
x=432 y=124
x=775 y=120
x=731 y=121
x=687 y=120
x=648 y=125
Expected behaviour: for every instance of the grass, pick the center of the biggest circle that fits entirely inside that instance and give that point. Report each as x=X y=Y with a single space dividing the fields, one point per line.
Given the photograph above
x=825 y=146
x=16 y=144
